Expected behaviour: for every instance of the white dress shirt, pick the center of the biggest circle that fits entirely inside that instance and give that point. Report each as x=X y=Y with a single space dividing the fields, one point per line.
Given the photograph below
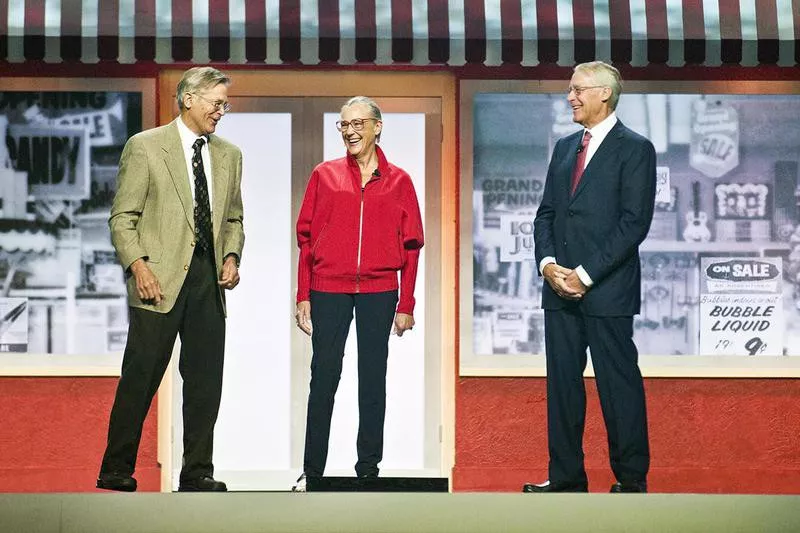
x=188 y=137
x=598 y=134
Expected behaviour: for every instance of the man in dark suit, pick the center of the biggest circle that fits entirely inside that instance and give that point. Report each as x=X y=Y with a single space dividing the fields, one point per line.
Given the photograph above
x=596 y=209
x=176 y=225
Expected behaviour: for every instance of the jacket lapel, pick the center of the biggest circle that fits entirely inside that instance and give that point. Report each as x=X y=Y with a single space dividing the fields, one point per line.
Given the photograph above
x=608 y=146
x=219 y=177
x=569 y=162
x=176 y=164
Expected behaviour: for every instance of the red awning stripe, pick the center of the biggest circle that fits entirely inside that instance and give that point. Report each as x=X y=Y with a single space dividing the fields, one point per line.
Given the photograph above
x=289 y=32
x=33 y=42
x=145 y=30
x=255 y=31
x=328 y=31
x=620 y=25
x=365 y=31
x=474 y=31
x=403 y=32
x=584 y=25
x=694 y=35
x=70 y=35
x=767 y=31
x=657 y=32
x=219 y=45
x=3 y=28
x=182 y=31
x=730 y=28
x=108 y=30
x=547 y=31
x=511 y=31
x=436 y=32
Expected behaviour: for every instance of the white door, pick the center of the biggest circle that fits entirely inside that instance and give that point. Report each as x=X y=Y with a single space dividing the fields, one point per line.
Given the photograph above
x=259 y=435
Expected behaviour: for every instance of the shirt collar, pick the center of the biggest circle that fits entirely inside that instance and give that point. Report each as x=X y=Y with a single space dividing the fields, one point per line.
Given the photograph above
x=599 y=131
x=188 y=137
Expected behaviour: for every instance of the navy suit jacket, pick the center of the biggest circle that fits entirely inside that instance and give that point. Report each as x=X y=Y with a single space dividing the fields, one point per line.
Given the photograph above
x=601 y=226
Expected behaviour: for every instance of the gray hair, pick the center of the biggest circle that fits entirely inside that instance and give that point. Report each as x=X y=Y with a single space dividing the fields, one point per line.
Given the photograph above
x=197 y=79
x=605 y=75
x=374 y=110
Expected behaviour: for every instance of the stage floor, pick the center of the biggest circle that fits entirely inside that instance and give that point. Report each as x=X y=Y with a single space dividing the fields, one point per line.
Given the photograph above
x=395 y=512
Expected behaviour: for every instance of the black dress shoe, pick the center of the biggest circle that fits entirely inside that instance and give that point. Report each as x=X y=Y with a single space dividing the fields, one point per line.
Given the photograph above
x=558 y=486
x=120 y=482
x=629 y=486
x=202 y=484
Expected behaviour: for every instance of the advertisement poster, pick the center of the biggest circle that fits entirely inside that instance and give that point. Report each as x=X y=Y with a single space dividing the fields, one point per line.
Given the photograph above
x=516 y=332
x=741 y=306
x=55 y=158
x=728 y=172
x=714 y=149
x=13 y=325
x=663 y=188
x=517 y=238
x=59 y=158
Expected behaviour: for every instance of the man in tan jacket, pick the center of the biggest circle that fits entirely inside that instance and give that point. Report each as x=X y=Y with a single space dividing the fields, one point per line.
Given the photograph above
x=176 y=225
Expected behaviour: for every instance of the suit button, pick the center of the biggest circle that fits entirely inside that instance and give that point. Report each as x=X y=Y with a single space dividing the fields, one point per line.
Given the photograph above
x=565 y=243
x=186 y=267
x=570 y=212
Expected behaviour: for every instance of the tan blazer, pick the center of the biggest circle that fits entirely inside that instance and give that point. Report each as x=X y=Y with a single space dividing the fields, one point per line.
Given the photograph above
x=153 y=212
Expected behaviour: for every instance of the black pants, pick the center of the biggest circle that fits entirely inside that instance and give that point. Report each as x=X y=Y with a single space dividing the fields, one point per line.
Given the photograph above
x=199 y=319
x=331 y=315
x=619 y=384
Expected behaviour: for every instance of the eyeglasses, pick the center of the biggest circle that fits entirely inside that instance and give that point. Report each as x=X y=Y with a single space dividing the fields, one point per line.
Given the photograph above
x=225 y=107
x=578 y=89
x=357 y=123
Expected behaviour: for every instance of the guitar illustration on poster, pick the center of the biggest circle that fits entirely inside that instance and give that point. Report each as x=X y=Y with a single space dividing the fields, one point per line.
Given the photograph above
x=696 y=220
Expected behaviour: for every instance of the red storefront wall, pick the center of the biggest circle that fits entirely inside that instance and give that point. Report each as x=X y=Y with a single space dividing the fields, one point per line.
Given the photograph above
x=706 y=435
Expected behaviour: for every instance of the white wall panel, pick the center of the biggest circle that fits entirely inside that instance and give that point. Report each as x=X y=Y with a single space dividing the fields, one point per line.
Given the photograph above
x=403 y=142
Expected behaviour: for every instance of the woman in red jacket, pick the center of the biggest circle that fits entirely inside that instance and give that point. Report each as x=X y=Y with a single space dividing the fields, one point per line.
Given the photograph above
x=358 y=226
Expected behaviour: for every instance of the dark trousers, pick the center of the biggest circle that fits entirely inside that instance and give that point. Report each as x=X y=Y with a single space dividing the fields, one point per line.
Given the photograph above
x=619 y=384
x=199 y=319
x=331 y=315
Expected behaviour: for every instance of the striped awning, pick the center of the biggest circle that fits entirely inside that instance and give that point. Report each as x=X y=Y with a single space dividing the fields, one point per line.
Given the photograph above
x=414 y=32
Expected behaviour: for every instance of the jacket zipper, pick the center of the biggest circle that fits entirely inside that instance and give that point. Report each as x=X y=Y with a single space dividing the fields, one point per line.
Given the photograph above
x=360 y=235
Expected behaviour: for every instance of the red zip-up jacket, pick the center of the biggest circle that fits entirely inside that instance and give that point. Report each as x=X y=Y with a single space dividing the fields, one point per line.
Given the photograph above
x=355 y=240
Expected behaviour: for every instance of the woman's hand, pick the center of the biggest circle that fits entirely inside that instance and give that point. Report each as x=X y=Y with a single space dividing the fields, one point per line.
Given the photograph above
x=402 y=322
x=302 y=315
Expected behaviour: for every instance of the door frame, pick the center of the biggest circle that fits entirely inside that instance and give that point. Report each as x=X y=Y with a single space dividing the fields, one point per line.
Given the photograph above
x=344 y=84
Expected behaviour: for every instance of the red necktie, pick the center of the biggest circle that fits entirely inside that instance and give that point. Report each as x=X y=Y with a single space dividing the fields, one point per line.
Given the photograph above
x=580 y=162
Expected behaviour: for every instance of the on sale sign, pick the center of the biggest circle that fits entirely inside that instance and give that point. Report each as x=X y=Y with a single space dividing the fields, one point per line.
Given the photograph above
x=714 y=148
x=741 y=306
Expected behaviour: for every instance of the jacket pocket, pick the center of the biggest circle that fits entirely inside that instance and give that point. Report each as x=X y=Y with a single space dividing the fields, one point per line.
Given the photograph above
x=153 y=250
x=318 y=241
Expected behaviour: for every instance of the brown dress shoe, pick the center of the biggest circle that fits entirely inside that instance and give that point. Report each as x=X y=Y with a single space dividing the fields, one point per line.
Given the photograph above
x=557 y=486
